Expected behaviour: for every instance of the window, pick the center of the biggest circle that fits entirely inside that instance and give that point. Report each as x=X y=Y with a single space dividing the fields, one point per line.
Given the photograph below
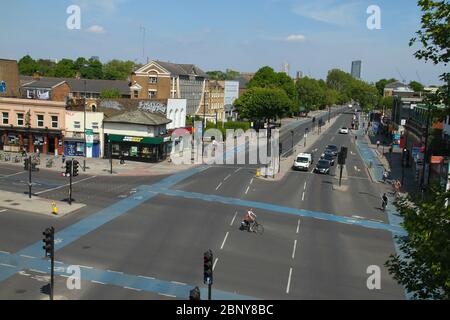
x=94 y=125
x=40 y=120
x=54 y=121
x=20 y=119
x=153 y=80
x=30 y=94
x=77 y=124
x=5 y=119
x=151 y=94
x=93 y=108
x=136 y=94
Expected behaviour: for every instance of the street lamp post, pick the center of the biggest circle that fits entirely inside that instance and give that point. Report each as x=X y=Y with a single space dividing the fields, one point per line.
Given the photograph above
x=84 y=125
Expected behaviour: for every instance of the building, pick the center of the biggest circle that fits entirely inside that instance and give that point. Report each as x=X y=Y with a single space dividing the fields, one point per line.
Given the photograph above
x=216 y=101
x=299 y=75
x=398 y=89
x=231 y=95
x=137 y=136
x=52 y=89
x=356 y=69
x=9 y=79
x=164 y=80
x=32 y=124
x=85 y=88
x=75 y=142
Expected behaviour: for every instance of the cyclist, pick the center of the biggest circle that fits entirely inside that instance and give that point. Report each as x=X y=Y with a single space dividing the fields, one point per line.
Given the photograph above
x=250 y=219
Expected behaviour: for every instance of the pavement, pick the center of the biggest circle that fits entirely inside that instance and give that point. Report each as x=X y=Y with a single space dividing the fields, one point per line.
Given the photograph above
x=143 y=237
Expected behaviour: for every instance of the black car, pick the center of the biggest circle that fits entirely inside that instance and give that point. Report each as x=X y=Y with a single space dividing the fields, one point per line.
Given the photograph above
x=332 y=149
x=323 y=166
x=328 y=156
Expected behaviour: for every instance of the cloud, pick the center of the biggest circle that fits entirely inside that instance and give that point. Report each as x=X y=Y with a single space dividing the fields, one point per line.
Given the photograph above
x=295 y=38
x=329 y=11
x=96 y=29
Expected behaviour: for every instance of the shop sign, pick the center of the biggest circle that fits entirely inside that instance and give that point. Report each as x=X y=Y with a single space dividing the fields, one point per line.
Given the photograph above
x=89 y=138
x=132 y=139
x=134 y=151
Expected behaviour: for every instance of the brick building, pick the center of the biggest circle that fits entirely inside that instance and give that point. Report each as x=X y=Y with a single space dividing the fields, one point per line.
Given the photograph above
x=9 y=79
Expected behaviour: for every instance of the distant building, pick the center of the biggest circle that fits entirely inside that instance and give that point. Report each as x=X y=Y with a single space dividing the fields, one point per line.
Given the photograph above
x=299 y=75
x=9 y=78
x=398 y=89
x=52 y=89
x=166 y=80
x=356 y=69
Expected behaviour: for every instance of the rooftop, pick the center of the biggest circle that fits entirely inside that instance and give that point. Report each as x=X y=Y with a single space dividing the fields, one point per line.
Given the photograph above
x=139 y=117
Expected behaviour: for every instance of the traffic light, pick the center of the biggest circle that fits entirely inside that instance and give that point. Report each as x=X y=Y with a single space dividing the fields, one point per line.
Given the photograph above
x=76 y=165
x=342 y=156
x=208 y=267
x=68 y=168
x=49 y=241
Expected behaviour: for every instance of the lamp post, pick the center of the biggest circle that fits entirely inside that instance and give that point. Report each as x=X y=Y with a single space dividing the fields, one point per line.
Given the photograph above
x=84 y=125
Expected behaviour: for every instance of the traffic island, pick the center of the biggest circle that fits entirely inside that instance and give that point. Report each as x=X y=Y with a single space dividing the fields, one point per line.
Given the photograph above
x=37 y=205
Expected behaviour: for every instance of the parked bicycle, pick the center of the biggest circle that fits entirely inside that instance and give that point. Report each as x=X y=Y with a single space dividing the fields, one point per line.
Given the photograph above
x=49 y=163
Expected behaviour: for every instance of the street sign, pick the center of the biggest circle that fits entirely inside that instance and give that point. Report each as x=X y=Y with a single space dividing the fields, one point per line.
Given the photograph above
x=89 y=138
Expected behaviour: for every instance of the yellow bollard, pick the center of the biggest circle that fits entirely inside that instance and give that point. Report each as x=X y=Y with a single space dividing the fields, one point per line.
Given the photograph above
x=54 y=208
x=258 y=172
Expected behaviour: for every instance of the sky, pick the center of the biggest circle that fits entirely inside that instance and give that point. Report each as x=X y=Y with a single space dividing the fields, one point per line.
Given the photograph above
x=313 y=36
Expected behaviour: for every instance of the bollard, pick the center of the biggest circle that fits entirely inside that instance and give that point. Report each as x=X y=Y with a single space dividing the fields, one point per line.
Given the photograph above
x=258 y=172
x=54 y=208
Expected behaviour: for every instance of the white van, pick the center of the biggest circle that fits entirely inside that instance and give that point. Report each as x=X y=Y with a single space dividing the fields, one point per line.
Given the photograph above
x=303 y=162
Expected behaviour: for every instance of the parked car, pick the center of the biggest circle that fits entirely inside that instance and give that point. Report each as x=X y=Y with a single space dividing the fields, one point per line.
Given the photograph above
x=344 y=130
x=333 y=149
x=303 y=162
x=323 y=167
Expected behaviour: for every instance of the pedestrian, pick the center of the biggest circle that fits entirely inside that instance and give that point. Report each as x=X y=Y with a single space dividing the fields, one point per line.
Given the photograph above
x=385 y=176
x=37 y=152
x=384 y=202
x=63 y=159
x=397 y=187
x=378 y=144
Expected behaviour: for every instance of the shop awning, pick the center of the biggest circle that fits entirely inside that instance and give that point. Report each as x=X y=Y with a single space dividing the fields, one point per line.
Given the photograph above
x=437 y=160
x=141 y=140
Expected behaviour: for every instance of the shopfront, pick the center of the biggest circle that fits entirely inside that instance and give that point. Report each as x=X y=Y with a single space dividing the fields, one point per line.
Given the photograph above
x=18 y=140
x=144 y=149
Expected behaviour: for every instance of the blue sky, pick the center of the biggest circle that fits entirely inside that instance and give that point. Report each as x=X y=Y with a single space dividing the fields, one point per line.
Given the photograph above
x=312 y=35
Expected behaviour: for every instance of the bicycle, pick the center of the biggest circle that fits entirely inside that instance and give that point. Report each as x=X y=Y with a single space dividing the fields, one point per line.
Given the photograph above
x=255 y=227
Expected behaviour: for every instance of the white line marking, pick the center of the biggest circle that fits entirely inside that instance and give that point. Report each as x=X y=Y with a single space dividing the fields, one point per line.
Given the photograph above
x=59 y=262
x=239 y=169
x=28 y=257
x=37 y=271
x=224 y=240
x=98 y=282
x=134 y=289
x=10 y=252
x=64 y=275
x=85 y=267
x=295 y=248
x=298 y=226
x=232 y=221
x=220 y=184
x=251 y=181
x=79 y=181
x=215 y=263
x=14 y=174
x=289 y=282
x=303 y=196
x=148 y=278
x=167 y=295
x=115 y=272
x=228 y=177
x=304 y=188
x=3 y=210
x=7 y=265
x=248 y=188
x=179 y=283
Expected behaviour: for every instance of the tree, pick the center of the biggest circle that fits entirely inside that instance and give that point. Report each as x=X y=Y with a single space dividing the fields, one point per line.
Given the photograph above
x=424 y=270
x=263 y=104
x=118 y=70
x=310 y=94
x=380 y=85
x=110 y=94
x=46 y=67
x=416 y=86
x=365 y=94
x=27 y=66
x=287 y=84
x=65 y=69
x=339 y=80
x=265 y=77
x=434 y=39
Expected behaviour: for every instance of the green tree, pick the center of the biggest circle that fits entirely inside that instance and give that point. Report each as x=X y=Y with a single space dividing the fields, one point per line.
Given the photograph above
x=287 y=84
x=424 y=270
x=110 y=94
x=339 y=80
x=416 y=86
x=27 y=66
x=365 y=94
x=265 y=77
x=263 y=104
x=382 y=84
x=434 y=39
x=311 y=94
x=65 y=69
x=387 y=102
x=118 y=70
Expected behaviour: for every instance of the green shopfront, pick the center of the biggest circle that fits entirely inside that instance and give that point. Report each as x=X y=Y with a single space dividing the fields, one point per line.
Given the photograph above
x=143 y=149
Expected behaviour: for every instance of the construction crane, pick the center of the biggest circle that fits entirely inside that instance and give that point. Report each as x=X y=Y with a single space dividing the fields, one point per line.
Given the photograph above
x=418 y=76
x=401 y=76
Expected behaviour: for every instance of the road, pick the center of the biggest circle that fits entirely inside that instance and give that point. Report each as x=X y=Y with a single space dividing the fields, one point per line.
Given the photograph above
x=144 y=237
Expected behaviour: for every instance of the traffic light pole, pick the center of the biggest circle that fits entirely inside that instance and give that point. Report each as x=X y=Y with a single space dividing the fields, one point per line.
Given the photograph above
x=29 y=177
x=340 y=175
x=52 y=267
x=209 y=291
x=70 y=182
